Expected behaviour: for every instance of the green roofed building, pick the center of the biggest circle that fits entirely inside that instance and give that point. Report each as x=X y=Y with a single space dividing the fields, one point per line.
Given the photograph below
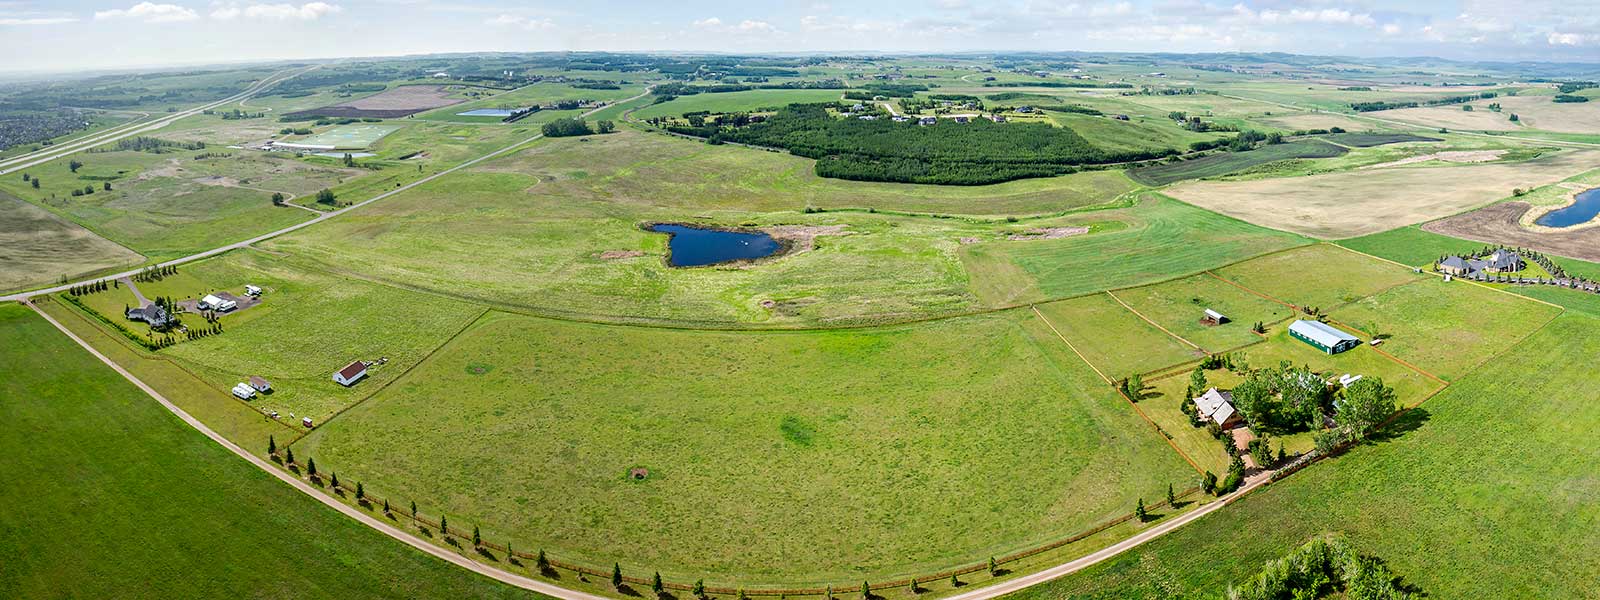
x=1322 y=335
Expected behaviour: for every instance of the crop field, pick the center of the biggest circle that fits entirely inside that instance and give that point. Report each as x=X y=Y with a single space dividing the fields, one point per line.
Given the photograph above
x=1355 y=203
x=747 y=101
x=1178 y=306
x=770 y=456
x=1448 y=329
x=397 y=101
x=1481 y=493
x=531 y=95
x=1533 y=112
x=82 y=532
x=1112 y=338
x=1303 y=121
x=1321 y=276
x=1161 y=239
x=349 y=137
x=37 y=247
x=1230 y=162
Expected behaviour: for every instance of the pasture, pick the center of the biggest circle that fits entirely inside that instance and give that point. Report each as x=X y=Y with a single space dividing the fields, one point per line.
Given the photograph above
x=1320 y=276
x=1223 y=163
x=1354 y=203
x=38 y=248
x=196 y=520
x=1177 y=305
x=1448 y=329
x=747 y=101
x=1533 y=112
x=1112 y=338
x=1484 y=492
x=1158 y=239
x=772 y=457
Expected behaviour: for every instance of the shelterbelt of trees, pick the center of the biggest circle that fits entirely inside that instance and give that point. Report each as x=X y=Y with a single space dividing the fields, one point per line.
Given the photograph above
x=950 y=153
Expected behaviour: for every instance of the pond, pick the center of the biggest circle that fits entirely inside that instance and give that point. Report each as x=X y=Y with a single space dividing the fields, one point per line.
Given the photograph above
x=690 y=246
x=1584 y=208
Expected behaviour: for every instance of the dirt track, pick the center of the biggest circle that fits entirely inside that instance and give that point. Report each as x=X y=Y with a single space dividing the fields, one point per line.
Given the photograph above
x=1498 y=224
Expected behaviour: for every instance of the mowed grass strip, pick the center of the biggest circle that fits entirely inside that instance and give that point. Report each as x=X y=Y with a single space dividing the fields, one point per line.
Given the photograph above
x=107 y=495
x=1223 y=163
x=1321 y=276
x=1487 y=492
x=1115 y=340
x=1446 y=328
x=1179 y=305
x=1162 y=239
x=773 y=458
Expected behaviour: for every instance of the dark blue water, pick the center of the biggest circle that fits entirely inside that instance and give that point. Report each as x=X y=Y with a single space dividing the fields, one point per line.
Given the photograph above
x=694 y=246
x=1583 y=210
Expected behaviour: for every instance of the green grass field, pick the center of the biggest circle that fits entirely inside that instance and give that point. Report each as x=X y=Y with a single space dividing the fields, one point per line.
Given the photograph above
x=1113 y=339
x=1447 y=329
x=1163 y=239
x=773 y=457
x=1410 y=386
x=39 y=248
x=108 y=495
x=349 y=137
x=753 y=100
x=1223 y=163
x=1485 y=492
x=1178 y=305
x=1321 y=276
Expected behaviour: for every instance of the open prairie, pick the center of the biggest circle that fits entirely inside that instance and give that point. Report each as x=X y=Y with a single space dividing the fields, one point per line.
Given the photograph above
x=1349 y=204
x=37 y=247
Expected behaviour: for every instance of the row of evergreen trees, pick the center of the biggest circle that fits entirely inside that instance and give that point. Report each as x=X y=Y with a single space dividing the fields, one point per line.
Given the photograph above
x=84 y=289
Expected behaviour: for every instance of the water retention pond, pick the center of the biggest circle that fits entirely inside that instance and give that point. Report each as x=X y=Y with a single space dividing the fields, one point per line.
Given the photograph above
x=691 y=246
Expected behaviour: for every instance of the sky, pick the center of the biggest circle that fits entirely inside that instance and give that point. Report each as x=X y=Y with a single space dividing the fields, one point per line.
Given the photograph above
x=64 y=35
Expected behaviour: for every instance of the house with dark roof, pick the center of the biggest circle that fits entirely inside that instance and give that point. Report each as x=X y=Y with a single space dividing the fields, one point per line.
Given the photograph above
x=152 y=314
x=1499 y=261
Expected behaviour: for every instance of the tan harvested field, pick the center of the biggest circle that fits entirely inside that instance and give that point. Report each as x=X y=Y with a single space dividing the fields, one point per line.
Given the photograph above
x=1349 y=204
x=1535 y=112
x=394 y=102
x=1450 y=156
x=37 y=247
x=1499 y=224
x=1319 y=121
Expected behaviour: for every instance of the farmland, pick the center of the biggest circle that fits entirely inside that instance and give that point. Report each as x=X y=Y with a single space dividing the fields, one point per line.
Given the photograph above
x=1230 y=162
x=778 y=420
x=83 y=533
x=921 y=377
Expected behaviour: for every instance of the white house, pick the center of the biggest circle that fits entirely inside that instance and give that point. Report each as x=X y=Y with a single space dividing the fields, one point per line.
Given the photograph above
x=352 y=373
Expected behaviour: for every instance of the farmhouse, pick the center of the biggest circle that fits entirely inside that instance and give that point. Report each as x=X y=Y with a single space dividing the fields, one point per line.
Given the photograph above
x=260 y=384
x=1499 y=261
x=152 y=314
x=351 y=373
x=1217 y=407
x=1323 y=336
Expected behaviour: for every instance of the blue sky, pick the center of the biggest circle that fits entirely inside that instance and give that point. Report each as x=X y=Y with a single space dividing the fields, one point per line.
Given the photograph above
x=72 y=34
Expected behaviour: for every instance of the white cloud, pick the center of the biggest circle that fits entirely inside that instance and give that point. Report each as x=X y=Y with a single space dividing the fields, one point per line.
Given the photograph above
x=756 y=26
x=16 y=21
x=149 y=12
x=1111 y=10
x=1328 y=16
x=521 y=22
x=708 y=22
x=1391 y=29
x=309 y=11
x=1557 y=38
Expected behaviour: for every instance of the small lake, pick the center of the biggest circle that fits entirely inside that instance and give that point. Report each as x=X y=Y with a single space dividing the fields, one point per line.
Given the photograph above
x=698 y=246
x=1584 y=208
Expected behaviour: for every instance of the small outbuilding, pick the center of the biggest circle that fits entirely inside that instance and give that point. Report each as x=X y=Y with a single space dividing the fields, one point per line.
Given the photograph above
x=217 y=303
x=351 y=373
x=1322 y=336
x=260 y=385
x=250 y=290
x=1217 y=406
x=1211 y=317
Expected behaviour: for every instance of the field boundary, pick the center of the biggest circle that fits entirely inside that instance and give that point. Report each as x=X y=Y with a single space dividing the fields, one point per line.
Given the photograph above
x=1157 y=325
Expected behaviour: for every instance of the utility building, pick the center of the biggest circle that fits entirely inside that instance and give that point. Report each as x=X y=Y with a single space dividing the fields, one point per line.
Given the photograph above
x=1323 y=336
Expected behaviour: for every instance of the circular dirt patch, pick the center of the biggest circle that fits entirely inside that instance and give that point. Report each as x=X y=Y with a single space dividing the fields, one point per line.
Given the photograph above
x=638 y=473
x=479 y=368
